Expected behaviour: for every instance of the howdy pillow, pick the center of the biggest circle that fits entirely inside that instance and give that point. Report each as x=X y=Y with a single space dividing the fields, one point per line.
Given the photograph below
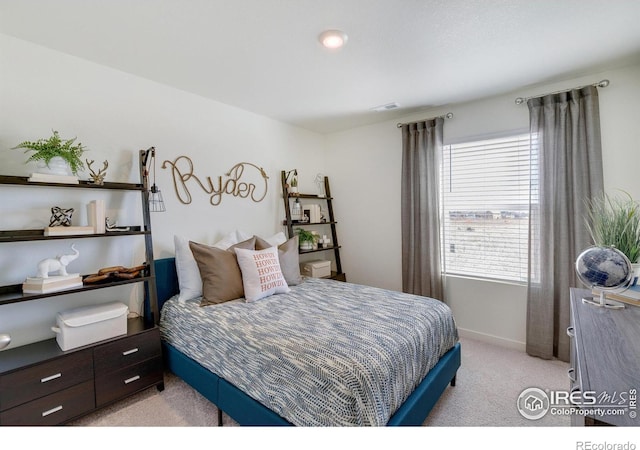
x=261 y=274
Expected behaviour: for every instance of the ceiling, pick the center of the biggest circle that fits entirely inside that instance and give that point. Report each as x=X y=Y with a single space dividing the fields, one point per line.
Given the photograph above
x=263 y=55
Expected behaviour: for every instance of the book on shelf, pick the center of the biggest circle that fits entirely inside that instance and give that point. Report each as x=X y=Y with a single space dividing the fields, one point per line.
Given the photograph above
x=96 y=215
x=64 y=231
x=38 y=285
x=52 y=279
x=630 y=295
x=314 y=213
x=51 y=178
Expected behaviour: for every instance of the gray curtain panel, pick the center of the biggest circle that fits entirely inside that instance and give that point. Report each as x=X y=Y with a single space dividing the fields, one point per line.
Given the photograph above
x=421 y=152
x=566 y=127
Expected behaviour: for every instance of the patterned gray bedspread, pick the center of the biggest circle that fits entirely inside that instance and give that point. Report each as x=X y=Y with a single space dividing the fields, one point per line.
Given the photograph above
x=326 y=354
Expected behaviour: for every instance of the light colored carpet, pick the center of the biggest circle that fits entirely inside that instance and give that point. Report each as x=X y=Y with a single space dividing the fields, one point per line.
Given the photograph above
x=488 y=384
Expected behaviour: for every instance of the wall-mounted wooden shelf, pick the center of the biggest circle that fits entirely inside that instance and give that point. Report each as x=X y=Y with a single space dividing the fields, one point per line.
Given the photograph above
x=83 y=184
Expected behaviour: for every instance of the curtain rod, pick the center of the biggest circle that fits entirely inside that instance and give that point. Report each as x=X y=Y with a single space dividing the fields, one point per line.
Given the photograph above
x=521 y=100
x=445 y=116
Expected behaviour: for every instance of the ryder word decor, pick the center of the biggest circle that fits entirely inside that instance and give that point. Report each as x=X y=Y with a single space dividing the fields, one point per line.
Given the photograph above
x=253 y=187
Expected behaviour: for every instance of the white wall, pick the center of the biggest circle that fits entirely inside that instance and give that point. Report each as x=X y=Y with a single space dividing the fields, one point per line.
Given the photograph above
x=365 y=164
x=116 y=114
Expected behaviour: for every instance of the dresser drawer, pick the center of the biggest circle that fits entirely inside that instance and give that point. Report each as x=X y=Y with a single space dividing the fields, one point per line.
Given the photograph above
x=24 y=385
x=52 y=409
x=114 y=385
x=127 y=351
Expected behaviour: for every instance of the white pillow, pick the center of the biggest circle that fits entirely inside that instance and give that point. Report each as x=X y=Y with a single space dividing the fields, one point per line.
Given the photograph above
x=277 y=239
x=231 y=239
x=189 y=279
x=261 y=274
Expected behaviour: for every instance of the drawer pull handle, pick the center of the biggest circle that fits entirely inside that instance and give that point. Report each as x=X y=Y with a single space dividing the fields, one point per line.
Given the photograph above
x=129 y=352
x=132 y=379
x=52 y=410
x=570 y=332
x=49 y=378
x=572 y=374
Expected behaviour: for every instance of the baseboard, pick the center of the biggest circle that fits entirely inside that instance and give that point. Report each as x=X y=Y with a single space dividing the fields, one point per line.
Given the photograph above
x=490 y=339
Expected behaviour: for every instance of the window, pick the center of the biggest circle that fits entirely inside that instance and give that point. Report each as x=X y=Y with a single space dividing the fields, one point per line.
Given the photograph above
x=485 y=199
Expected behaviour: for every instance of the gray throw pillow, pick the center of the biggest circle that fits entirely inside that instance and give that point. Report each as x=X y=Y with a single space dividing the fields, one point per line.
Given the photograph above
x=288 y=257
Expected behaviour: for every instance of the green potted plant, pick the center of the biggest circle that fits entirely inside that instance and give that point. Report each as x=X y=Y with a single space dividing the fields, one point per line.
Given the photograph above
x=306 y=239
x=53 y=150
x=615 y=221
x=294 y=185
x=291 y=180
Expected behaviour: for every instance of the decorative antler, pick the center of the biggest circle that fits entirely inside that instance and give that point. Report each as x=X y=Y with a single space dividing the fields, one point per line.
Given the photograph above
x=98 y=178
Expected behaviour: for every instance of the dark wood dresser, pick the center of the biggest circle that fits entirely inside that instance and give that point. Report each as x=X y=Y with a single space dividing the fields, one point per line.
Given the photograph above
x=42 y=385
x=605 y=362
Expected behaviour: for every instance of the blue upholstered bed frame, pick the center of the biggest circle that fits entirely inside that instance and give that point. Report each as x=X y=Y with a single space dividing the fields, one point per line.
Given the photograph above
x=246 y=411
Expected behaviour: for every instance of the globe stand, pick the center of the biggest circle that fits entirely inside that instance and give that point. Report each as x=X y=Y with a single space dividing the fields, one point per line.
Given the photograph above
x=602 y=302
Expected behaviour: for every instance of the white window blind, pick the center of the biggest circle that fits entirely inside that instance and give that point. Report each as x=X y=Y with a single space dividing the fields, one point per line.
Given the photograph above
x=485 y=207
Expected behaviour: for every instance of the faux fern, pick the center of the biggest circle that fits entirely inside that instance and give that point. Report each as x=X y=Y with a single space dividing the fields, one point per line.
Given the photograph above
x=46 y=149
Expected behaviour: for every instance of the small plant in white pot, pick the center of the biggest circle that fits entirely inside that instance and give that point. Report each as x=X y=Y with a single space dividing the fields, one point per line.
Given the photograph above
x=307 y=239
x=58 y=155
x=294 y=185
x=291 y=180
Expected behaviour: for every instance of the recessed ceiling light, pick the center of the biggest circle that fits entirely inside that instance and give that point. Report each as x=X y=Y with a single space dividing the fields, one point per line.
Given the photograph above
x=333 y=38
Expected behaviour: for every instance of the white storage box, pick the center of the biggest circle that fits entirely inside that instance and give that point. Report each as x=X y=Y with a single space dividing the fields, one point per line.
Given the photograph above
x=88 y=324
x=316 y=269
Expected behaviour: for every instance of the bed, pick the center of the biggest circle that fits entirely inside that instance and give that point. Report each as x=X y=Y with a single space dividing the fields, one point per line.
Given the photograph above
x=263 y=370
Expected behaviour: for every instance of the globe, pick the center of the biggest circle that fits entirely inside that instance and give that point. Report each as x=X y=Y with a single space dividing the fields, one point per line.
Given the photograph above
x=604 y=268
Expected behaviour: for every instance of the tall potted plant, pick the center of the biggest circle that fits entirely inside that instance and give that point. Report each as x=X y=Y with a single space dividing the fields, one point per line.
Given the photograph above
x=55 y=152
x=615 y=221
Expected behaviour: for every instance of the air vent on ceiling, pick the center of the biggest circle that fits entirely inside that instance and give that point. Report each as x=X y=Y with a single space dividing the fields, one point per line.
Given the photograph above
x=386 y=107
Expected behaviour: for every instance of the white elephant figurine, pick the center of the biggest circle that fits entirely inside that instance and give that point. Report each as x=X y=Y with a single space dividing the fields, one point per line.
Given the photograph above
x=58 y=264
